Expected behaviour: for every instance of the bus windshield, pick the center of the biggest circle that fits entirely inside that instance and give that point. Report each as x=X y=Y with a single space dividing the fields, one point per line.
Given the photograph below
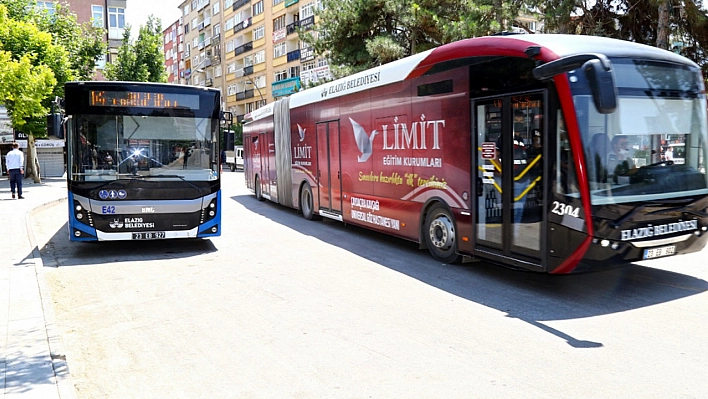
x=653 y=146
x=113 y=147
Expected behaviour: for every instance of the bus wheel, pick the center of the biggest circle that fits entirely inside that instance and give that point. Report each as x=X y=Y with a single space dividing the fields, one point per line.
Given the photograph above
x=440 y=235
x=307 y=204
x=259 y=194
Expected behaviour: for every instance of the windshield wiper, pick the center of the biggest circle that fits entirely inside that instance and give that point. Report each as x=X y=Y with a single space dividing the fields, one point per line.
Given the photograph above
x=169 y=177
x=681 y=208
x=683 y=204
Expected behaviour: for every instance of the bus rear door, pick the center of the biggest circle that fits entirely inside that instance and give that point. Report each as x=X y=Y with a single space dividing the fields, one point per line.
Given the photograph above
x=329 y=169
x=508 y=136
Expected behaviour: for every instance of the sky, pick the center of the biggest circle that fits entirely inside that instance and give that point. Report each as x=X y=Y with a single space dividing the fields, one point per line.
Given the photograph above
x=137 y=12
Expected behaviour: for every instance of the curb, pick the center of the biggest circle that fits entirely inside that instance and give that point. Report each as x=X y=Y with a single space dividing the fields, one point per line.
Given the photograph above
x=65 y=385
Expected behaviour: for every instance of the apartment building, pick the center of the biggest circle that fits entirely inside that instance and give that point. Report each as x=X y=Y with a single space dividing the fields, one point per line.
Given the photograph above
x=201 y=59
x=173 y=46
x=108 y=14
x=248 y=48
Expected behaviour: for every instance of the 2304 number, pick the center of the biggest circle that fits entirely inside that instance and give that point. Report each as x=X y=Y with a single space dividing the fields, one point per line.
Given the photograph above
x=562 y=209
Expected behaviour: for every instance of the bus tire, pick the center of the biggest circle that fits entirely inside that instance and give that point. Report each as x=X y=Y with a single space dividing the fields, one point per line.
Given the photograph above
x=440 y=234
x=232 y=167
x=307 y=202
x=257 y=187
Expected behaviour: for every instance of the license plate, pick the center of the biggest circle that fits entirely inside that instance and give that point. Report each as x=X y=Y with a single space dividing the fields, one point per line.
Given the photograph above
x=149 y=235
x=659 y=252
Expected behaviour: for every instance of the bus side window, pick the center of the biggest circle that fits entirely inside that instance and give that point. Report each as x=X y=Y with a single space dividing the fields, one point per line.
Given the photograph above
x=566 y=181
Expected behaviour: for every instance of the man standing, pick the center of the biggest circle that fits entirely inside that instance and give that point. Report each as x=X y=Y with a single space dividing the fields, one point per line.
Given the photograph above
x=15 y=163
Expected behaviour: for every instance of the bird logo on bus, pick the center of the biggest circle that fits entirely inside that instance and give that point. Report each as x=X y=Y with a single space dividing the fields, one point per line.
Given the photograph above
x=363 y=140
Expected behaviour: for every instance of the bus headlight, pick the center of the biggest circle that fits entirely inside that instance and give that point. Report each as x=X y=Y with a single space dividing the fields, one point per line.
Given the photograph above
x=209 y=212
x=82 y=214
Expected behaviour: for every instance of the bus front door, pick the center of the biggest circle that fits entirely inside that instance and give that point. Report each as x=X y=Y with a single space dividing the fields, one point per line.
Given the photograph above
x=508 y=136
x=329 y=168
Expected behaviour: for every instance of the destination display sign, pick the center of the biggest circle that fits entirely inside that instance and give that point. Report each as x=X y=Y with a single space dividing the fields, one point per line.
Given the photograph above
x=142 y=99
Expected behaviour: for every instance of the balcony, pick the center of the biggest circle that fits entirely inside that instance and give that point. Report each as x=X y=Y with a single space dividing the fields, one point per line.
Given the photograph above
x=209 y=82
x=248 y=70
x=239 y=4
x=246 y=94
x=242 y=49
x=242 y=25
x=216 y=59
x=201 y=45
x=307 y=23
x=291 y=28
x=294 y=55
x=288 y=3
x=200 y=26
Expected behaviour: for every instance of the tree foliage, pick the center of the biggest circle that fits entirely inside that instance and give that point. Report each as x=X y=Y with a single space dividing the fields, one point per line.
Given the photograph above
x=142 y=60
x=39 y=52
x=28 y=59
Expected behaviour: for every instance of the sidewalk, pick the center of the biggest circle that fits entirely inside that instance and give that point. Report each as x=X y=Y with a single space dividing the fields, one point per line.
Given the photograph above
x=32 y=363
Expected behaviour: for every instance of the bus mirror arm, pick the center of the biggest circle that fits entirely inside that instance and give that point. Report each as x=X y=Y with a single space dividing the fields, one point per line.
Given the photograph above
x=598 y=70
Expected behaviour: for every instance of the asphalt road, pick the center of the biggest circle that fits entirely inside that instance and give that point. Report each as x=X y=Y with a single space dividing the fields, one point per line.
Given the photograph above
x=279 y=307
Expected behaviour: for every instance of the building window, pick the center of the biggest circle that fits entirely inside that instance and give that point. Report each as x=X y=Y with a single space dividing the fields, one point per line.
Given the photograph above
x=229 y=24
x=186 y=10
x=259 y=57
x=215 y=9
x=294 y=72
x=47 y=6
x=258 y=8
x=228 y=3
x=116 y=22
x=276 y=2
x=97 y=16
x=306 y=66
x=217 y=29
x=217 y=71
x=230 y=45
x=259 y=32
x=279 y=50
x=279 y=23
x=307 y=10
x=280 y=75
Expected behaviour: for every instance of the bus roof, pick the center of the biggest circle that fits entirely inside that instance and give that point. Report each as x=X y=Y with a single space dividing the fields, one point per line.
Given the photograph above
x=552 y=46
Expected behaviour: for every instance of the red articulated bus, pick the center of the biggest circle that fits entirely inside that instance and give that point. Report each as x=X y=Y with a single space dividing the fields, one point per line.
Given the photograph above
x=541 y=152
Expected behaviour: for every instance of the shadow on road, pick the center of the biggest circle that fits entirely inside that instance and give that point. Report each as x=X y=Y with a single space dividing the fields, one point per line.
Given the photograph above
x=84 y=253
x=527 y=296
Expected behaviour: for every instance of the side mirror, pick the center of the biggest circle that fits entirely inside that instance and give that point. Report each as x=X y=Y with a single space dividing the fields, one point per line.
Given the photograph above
x=602 y=85
x=598 y=71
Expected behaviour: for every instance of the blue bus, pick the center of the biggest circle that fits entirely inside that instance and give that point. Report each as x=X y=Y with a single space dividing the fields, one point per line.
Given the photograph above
x=142 y=161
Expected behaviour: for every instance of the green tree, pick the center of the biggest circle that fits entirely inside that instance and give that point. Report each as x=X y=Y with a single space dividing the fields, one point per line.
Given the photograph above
x=84 y=42
x=57 y=49
x=359 y=34
x=27 y=60
x=142 y=60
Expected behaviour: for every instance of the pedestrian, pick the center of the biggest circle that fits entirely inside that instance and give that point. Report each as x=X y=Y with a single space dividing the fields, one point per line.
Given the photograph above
x=15 y=163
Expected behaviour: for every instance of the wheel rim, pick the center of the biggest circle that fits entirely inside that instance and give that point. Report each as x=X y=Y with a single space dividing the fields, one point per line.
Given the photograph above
x=442 y=232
